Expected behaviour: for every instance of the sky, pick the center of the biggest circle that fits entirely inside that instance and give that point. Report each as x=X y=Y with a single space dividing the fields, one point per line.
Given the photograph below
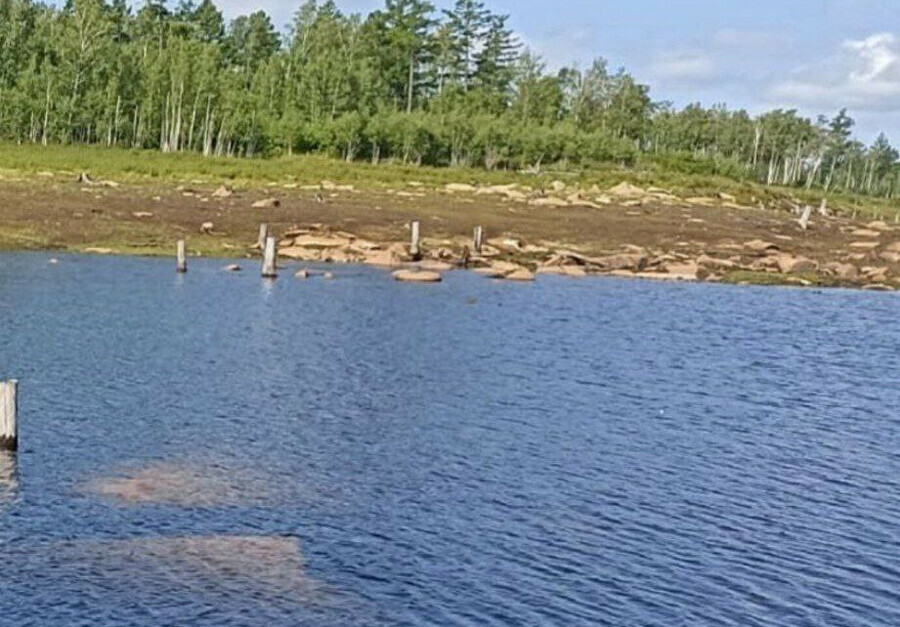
x=812 y=55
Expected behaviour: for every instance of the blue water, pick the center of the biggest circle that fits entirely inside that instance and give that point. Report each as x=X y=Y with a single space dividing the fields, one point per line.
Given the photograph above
x=595 y=452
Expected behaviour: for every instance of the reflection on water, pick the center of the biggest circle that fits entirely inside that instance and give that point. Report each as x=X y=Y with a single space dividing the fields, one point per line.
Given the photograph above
x=9 y=477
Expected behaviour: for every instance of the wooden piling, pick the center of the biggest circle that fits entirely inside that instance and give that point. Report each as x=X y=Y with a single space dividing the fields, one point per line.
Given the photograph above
x=414 y=245
x=9 y=430
x=268 y=266
x=478 y=239
x=263 y=235
x=181 y=258
x=804 y=219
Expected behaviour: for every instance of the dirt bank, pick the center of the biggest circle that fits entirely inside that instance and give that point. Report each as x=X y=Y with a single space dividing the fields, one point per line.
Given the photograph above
x=625 y=230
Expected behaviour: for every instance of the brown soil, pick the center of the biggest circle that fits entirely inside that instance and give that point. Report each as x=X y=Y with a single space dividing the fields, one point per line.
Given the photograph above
x=67 y=215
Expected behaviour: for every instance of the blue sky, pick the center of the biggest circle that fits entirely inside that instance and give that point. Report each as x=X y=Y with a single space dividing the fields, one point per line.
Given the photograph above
x=813 y=55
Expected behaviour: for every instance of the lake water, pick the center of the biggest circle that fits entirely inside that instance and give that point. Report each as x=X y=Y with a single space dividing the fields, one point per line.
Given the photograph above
x=213 y=449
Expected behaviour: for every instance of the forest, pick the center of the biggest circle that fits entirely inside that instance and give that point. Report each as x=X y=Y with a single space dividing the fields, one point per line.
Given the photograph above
x=405 y=84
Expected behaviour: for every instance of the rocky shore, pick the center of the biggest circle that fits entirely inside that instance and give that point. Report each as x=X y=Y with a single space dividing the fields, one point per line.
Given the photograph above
x=560 y=228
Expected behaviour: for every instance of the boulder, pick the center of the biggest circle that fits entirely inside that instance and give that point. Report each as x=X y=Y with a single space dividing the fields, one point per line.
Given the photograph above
x=760 y=247
x=875 y=275
x=627 y=190
x=624 y=261
x=417 y=276
x=267 y=203
x=460 y=187
x=726 y=197
x=142 y=214
x=788 y=264
x=843 y=271
x=557 y=186
x=301 y=253
x=711 y=262
x=864 y=245
x=522 y=274
x=490 y=272
x=684 y=271
x=570 y=271
x=223 y=191
x=865 y=233
x=206 y=228
x=302 y=273
x=232 y=267
x=878 y=287
x=549 y=202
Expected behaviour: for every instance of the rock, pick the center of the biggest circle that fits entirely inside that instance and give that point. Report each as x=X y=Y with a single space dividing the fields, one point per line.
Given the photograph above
x=759 y=246
x=322 y=241
x=232 y=267
x=142 y=214
x=100 y=251
x=878 y=287
x=301 y=253
x=522 y=274
x=570 y=271
x=328 y=276
x=865 y=233
x=557 y=186
x=844 y=271
x=490 y=272
x=711 y=262
x=687 y=271
x=875 y=275
x=566 y=258
x=417 y=276
x=625 y=261
x=53 y=261
x=302 y=273
x=206 y=228
x=879 y=225
x=627 y=190
x=890 y=257
x=894 y=247
x=460 y=187
x=726 y=197
x=549 y=202
x=434 y=265
x=223 y=191
x=267 y=203
x=788 y=264
x=864 y=245
x=384 y=258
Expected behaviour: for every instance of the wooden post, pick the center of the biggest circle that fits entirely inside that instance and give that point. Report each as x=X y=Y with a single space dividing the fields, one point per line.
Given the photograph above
x=478 y=239
x=414 y=248
x=263 y=234
x=181 y=259
x=804 y=219
x=9 y=430
x=268 y=267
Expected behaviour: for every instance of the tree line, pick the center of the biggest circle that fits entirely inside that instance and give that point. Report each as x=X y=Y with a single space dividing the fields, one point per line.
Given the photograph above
x=406 y=83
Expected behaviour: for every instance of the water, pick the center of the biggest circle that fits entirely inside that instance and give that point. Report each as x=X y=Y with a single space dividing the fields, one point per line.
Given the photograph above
x=216 y=450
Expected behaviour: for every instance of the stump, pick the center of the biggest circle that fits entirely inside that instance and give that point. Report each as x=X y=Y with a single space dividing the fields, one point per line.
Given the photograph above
x=414 y=247
x=478 y=239
x=268 y=266
x=181 y=258
x=263 y=235
x=9 y=430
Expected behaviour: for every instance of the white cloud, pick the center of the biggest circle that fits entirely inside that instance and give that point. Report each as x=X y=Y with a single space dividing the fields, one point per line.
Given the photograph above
x=686 y=66
x=863 y=75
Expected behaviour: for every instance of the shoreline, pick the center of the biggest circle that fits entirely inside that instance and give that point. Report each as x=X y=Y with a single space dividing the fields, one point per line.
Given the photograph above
x=561 y=229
